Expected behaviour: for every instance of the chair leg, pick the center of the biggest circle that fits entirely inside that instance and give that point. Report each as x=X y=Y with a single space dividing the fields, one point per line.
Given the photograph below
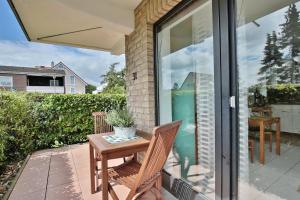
x=97 y=176
x=270 y=141
x=251 y=149
x=157 y=188
x=157 y=193
x=131 y=195
x=252 y=155
x=112 y=192
x=158 y=183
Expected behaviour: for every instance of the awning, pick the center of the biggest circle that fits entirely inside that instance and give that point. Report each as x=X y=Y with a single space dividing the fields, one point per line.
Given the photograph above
x=93 y=24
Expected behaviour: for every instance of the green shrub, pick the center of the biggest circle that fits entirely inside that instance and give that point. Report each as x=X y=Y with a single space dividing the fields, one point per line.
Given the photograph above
x=67 y=119
x=280 y=93
x=284 y=93
x=16 y=126
x=120 y=118
x=30 y=121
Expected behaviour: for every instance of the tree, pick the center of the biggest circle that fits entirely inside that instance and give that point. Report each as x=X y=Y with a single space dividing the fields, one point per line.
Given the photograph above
x=290 y=42
x=266 y=62
x=90 y=88
x=272 y=61
x=114 y=80
x=277 y=57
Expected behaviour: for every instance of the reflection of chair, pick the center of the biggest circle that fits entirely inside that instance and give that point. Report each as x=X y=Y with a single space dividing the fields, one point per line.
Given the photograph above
x=251 y=144
x=146 y=177
x=262 y=111
x=265 y=112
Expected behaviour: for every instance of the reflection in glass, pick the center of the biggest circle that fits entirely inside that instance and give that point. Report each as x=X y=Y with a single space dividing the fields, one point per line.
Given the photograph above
x=186 y=92
x=268 y=37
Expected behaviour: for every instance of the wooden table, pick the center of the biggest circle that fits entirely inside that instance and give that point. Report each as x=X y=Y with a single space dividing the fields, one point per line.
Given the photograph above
x=108 y=151
x=262 y=122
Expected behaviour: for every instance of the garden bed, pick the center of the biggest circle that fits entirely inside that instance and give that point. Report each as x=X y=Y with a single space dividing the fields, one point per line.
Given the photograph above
x=9 y=177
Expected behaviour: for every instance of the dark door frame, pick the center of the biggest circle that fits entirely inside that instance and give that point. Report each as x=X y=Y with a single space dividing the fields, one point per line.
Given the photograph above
x=226 y=108
x=224 y=36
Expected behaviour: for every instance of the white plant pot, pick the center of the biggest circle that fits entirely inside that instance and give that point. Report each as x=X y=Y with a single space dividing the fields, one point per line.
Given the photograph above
x=125 y=132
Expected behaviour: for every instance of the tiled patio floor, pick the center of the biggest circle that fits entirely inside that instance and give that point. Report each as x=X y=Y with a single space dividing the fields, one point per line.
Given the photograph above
x=62 y=174
x=278 y=179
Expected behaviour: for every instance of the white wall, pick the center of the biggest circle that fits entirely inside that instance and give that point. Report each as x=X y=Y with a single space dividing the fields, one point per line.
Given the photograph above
x=78 y=87
x=46 y=89
x=289 y=117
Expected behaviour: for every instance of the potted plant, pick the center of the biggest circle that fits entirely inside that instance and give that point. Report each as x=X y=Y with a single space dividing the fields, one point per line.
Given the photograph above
x=122 y=122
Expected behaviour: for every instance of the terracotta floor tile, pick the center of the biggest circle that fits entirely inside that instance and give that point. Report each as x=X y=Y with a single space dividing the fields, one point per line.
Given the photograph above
x=61 y=164
x=38 y=195
x=58 y=179
x=27 y=184
x=69 y=191
x=62 y=174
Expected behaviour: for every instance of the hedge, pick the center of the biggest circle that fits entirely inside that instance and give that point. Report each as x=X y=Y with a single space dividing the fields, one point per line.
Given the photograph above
x=279 y=93
x=31 y=121
x=284 y=93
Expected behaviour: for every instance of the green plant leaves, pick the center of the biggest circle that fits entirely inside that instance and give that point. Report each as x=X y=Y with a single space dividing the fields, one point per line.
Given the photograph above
x=30 y=121
x=120 y=118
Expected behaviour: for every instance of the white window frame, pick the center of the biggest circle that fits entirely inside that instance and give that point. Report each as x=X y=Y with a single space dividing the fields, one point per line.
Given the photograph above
x=11 y=81
x=72 y=90
x=56 y=83
x=74 y=82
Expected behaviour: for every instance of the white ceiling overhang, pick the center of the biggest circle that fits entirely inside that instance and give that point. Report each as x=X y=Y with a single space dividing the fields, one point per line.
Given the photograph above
x=93 y=24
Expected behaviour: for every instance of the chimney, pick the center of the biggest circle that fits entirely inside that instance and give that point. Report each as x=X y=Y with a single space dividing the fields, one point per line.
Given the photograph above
x=52 y=64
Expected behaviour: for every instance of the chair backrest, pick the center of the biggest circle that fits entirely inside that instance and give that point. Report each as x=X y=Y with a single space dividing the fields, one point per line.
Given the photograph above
x=157 y=154
x=100 y=125
x=263 y=111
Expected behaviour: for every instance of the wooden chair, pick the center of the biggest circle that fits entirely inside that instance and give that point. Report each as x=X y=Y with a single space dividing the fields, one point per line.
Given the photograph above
x=140 y=178
x=100 y=125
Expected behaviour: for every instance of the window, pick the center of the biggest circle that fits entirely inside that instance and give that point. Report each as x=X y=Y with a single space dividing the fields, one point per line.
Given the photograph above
x=6 y=81
x=268 y=52
x=54 y=82
x=185 y=67
x=72 y=80
x=72 y=90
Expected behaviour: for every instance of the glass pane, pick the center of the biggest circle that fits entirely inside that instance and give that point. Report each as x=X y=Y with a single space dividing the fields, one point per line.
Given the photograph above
x=186 y=92
x=268 y=49
x=54 y=82
x=5 y=81
x=72 y=80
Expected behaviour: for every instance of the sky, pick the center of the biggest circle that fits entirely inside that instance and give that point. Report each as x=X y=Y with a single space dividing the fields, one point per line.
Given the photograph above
x=15 y=50
x=198 y=57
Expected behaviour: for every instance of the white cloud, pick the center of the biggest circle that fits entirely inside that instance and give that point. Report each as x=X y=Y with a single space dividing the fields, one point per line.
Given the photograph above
x=89 y=64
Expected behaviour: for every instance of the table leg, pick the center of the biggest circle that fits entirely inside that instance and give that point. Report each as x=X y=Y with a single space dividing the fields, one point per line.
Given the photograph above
x=104 y=177
x=262 y=142
x=278 y=137
x=92 y=169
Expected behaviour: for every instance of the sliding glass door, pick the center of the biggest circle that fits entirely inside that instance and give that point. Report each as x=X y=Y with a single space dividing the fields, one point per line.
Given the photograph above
x=185 y=70
x=268 y=56
x=230 y=70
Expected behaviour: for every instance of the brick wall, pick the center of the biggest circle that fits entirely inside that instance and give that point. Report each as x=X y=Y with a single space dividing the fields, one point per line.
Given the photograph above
x=139 y=60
